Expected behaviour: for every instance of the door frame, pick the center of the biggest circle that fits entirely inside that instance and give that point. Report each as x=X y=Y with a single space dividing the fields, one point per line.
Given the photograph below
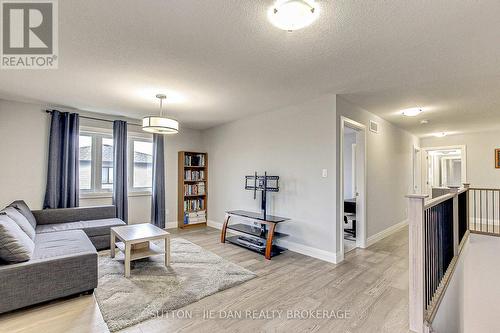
x=463 y=149
x=361 y=135
x=417 y=172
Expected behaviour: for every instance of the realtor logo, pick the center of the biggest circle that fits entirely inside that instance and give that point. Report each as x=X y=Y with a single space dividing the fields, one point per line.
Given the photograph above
x=29 y=34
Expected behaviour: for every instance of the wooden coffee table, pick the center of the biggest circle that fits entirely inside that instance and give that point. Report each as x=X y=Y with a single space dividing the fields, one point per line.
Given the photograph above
x=136 y=242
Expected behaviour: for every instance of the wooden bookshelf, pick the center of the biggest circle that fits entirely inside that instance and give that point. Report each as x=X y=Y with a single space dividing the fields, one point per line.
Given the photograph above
x=193 y=188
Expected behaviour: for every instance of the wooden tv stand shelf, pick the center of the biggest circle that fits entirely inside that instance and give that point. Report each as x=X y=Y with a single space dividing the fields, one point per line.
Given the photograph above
x=262 y=233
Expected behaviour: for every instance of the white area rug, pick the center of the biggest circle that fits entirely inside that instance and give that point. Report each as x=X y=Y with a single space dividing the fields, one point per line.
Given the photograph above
x=152 y=288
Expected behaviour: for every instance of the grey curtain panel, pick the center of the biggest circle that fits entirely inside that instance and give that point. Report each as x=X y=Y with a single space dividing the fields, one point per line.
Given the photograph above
x=120 y=192
x=62 y=189
x=158 y=196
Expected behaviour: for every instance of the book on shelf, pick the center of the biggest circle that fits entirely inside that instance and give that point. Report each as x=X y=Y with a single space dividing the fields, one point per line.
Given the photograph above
x=194 y=175
x=194 y=189
x=195 y=217
x=194 y=205
x=194 y=160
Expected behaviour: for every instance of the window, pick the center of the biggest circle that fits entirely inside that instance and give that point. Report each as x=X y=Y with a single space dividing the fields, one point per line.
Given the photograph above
x=96 y=162
x=85 y=162
x=107 y=164
x=141 y=170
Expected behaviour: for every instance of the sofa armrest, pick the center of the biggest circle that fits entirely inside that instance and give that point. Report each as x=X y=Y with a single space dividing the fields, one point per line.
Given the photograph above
x=64 y=215
x=37 y=281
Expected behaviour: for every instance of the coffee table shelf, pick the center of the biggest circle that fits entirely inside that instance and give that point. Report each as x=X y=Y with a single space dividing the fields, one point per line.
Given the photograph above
x=136 y=254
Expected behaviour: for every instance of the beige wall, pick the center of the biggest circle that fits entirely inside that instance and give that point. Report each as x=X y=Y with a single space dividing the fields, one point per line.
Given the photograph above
x=389 y=168
x=23 y=149
x=480 y=149
x=24 y=145
x=295 y=143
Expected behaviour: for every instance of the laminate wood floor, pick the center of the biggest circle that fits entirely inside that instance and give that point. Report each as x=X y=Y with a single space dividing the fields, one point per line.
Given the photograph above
x=370 y=288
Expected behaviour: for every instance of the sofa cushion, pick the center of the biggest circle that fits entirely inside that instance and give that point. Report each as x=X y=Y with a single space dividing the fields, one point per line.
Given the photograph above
x=75 y=214
x=92 y=228
x=63 y=264
x=61 y=244
x=21 y=221
x=15 y=245
x=23 y=208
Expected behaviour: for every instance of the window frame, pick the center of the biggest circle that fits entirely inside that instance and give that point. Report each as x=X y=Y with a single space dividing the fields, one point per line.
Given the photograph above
x=97 y=134
x=131 y=189
x=96 y=189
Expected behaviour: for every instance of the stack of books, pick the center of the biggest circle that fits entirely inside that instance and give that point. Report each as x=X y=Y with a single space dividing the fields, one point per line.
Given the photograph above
x=195 y=217
x=195 y=189
x=194 y=160
x=194 y=175
x=193 y=205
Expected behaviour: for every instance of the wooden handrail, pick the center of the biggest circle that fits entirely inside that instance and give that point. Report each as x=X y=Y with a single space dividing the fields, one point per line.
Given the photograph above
x=436 y=201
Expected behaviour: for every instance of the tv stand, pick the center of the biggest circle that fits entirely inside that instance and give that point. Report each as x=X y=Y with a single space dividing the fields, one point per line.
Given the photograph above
x=259 y=239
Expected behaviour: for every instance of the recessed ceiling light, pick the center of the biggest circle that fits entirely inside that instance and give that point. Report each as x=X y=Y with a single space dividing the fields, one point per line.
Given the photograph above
x=293 y=15
x=440 y=134
x=412 y=112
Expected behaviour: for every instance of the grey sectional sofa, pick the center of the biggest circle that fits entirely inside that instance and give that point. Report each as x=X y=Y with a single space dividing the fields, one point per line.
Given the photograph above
x=64 y=259
x=96 y=222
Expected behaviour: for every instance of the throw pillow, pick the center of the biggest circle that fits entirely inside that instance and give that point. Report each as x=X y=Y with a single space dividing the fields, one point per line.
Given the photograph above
x=15 y=245
x=21 y=221
x=22 y=207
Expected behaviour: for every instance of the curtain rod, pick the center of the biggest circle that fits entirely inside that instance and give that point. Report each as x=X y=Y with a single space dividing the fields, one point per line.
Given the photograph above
x=99 y=119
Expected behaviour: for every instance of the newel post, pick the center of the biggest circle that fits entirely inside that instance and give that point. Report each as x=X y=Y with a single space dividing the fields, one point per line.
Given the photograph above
x=416 y=256
x=454 y=191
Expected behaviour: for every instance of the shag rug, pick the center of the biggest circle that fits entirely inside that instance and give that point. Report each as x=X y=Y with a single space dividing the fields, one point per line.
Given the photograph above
x=153 y=289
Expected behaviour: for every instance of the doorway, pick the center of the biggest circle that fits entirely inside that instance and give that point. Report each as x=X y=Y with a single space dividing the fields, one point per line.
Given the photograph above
x=444 y=167
x=352 y=198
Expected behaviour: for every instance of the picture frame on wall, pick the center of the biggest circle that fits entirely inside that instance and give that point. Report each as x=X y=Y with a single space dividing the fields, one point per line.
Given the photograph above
x=497 y=158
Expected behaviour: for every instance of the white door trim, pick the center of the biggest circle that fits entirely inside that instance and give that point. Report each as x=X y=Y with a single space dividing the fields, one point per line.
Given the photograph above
x=416 y=161
x=463 y=149
x=361 y=201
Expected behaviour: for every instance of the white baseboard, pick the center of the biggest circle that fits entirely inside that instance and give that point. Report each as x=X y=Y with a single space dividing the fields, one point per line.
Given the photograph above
x=324 y=255
x=296 y=247
x=384 y=233
x=214 y=224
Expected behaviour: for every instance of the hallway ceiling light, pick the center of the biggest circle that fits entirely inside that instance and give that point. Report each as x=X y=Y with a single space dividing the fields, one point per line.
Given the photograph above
x=161 y=124
x=412 y=112
x=440 y=134
x=293 y=15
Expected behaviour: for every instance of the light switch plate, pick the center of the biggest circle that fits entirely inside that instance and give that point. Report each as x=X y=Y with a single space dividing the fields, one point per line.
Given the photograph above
x=324 y=173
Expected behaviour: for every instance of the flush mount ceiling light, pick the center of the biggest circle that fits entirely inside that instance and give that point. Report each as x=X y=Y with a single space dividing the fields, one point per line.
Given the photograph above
x=412 y=112
x=161 y=124
x=440 y=134
x=293 y=15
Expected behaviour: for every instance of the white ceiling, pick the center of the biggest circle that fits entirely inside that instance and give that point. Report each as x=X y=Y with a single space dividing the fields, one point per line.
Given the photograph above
x=222 y=60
